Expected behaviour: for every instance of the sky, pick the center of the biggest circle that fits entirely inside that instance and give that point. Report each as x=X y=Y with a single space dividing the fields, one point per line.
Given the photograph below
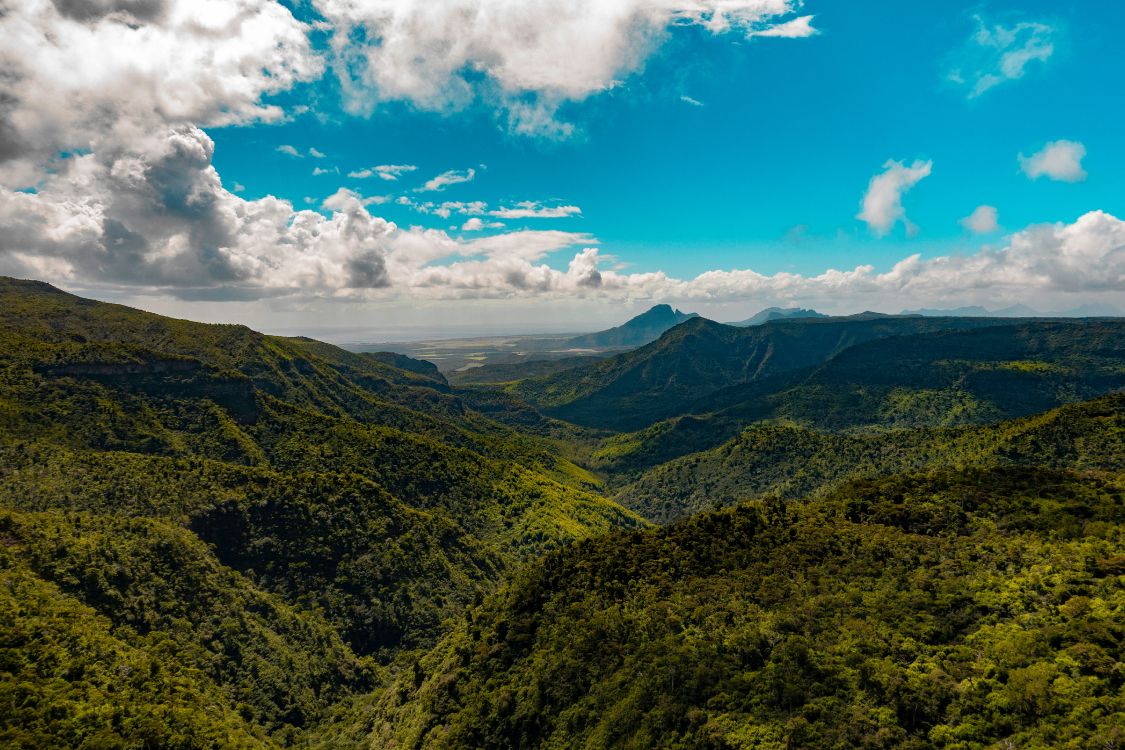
x=381 y=169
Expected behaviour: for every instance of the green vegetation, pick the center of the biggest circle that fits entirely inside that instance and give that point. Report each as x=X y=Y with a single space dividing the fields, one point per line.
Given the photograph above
x=948 y=610
x=842 y=373
x=791 y=461
x=255 y=522
x=214 y=538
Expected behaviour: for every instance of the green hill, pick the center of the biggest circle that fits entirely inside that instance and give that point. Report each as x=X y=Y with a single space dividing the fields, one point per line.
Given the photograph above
x=792 y=461
x=947 y=610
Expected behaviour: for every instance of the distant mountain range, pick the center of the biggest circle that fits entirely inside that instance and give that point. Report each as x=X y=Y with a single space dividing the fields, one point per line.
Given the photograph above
x=645 y=328
x=777 y=313
x=1097 y=310
x=702 y=367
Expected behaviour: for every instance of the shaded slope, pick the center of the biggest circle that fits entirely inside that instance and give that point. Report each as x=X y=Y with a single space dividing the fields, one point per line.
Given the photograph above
x=366 y=461
x=945 y=378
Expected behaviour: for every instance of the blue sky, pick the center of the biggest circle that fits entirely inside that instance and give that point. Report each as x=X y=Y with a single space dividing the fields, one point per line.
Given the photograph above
x=769 y=172
x=690 y=142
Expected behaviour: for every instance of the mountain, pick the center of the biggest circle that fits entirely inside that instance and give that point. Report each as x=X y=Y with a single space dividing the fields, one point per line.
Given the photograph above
x=972 y=311
x=974 y=608
x=1092 y=310
x=939 y=379
x=777 y=313
x=637 y=331
x=632 y=390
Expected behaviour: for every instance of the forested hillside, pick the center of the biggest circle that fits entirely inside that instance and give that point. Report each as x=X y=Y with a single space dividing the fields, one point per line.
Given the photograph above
x=252 y=520
x=791 y=461
x=947 y=610
x=215 y=538
x=840 y=373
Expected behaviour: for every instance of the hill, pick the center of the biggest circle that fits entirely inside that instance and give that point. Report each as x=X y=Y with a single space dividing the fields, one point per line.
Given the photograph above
x=637 y=331
x=951 y=609
x=777 y=313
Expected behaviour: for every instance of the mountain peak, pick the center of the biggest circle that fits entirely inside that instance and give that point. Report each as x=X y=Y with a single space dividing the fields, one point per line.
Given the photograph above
x=637 y=331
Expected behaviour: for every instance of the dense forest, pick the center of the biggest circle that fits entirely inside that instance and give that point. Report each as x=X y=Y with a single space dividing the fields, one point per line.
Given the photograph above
x=814 y=532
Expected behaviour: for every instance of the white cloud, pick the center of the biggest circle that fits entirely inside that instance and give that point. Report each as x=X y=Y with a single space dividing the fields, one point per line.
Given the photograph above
x=796 y=28
x=318 y=171
x=343 y=198
x=87 y=76
x=996 y=53
x=693 y=102
x=1058 y=160
x=238 y=188
x=882 y=203
x=445 y=179
x=1087 y=256
x=983 y=220
x=388 y=172
x=474 y=224
x=102 y=107
x=316 y=153
x=524 y=59
x=288 y=150
x=534 y=210
x=392 y=172
x=163 y=220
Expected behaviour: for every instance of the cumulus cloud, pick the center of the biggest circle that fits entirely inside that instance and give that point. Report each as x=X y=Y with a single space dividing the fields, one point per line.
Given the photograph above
x=524 y=59
x=1058 y=160
x=983 y=220
x=164 y=220
x=535 y=210
x=344 y=197
x=389 y=172
x=108 y=177
x=1087 y=256
x=882 y=203
x=689 y=100
x=102 y=108
x=796 y=28
x=317 y=153
x=445 y=179
x=114 y=75
x=288 y=150
x=997 y=53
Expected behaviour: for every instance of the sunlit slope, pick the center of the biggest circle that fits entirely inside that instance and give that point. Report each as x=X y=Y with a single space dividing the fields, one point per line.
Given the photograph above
x=945 y=610
x=791 y=461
